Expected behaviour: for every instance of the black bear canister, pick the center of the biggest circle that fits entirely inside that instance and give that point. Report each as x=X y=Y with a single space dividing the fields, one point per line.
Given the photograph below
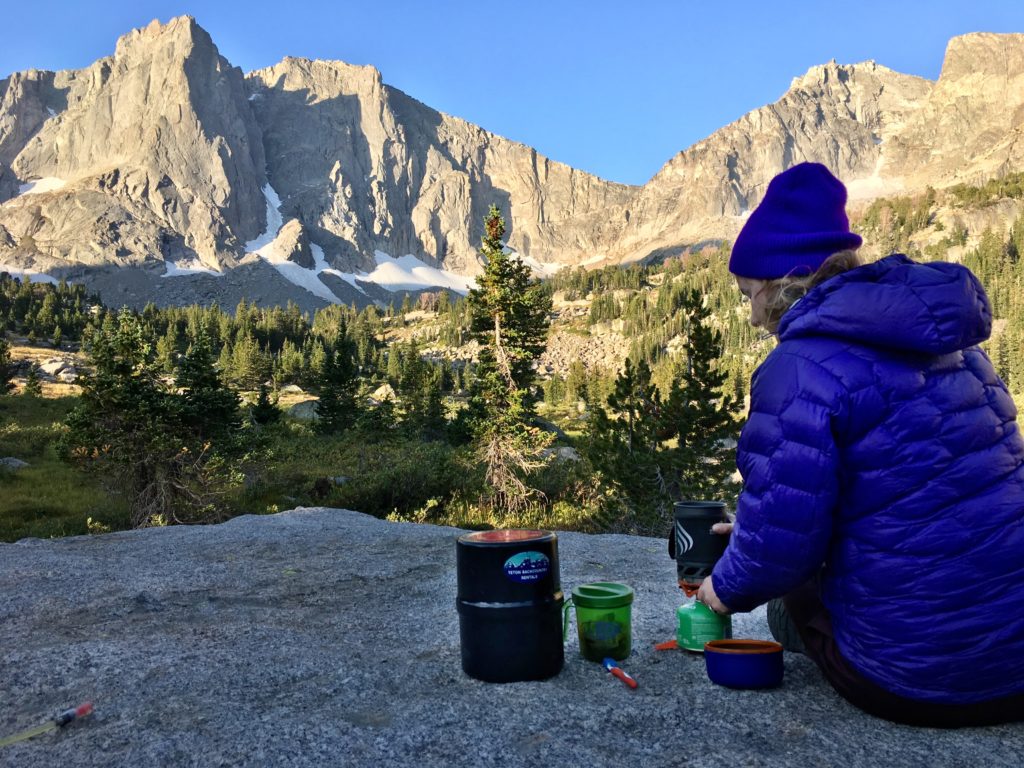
x=510 y=605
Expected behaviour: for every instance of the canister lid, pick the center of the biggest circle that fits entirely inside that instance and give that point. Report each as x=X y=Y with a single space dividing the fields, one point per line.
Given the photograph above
x=602 y=594
x=505 y=536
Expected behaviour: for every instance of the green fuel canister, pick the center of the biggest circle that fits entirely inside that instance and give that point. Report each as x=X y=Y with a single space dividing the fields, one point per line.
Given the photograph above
x=698 y=624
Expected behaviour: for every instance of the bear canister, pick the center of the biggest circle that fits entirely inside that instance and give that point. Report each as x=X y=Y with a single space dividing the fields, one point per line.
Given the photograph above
x=510 y=605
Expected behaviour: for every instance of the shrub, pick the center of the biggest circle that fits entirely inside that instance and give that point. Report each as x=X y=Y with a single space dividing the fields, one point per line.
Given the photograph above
x=397 y=477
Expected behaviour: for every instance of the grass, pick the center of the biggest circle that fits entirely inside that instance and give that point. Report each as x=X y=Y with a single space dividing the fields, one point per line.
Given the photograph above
x=394 y=477
x=48 y=498
x=354 y=471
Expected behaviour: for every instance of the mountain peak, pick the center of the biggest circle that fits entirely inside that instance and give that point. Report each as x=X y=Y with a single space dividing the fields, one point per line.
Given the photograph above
x=832 y=72
x=982 y=53
x=179 y=29
x=297 y=67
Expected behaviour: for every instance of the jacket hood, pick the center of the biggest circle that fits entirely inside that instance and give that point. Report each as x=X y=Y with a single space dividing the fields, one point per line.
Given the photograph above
x=896 y=303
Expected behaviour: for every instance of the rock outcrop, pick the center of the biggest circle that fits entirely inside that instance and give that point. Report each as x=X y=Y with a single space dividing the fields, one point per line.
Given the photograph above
x=325 y=637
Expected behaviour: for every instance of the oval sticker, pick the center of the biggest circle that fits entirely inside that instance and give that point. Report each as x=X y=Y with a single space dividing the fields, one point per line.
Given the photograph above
x=527 y=566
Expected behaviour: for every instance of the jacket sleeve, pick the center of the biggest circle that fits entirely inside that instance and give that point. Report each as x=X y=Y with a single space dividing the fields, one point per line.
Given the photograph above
x=789 y=461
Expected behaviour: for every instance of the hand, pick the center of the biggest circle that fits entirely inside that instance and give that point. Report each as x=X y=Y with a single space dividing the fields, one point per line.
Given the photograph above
x=706 y=594
x=723 y=528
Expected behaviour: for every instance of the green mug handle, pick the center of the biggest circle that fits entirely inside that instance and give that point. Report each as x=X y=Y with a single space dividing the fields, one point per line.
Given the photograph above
x=565 y=618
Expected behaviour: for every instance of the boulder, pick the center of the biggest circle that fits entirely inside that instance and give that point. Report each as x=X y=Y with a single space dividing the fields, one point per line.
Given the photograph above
x=12 y=463
x=568 y=453
x=304 y=411
x=382 y=393
x=54 y=365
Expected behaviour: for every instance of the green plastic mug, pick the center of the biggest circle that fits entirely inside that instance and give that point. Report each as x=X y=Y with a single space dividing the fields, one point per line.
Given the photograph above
x=698 y=624
x=603 y=620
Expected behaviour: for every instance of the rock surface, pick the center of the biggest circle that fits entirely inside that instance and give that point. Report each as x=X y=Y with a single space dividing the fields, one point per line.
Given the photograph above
x=326 y=637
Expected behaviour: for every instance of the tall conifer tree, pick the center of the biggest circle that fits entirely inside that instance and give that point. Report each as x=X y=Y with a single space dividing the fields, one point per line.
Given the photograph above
x=509 y=317
x=336 y=408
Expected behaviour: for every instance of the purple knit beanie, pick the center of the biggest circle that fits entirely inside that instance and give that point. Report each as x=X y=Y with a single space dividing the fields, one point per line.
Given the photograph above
x=800 y=222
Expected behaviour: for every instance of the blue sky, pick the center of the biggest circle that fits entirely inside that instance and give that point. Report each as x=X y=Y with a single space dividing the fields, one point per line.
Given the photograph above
x=613 y=88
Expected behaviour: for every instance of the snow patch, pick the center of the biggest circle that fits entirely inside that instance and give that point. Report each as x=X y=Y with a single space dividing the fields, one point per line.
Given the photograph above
x=29 y=276
x=188 y=267
x=322 y=268
x=274 y=221
x=296 y=274
x=265 y=247
x=39 y=186
x=873 y=186
x=404 y=274
x=410 y=274
x=539 y=269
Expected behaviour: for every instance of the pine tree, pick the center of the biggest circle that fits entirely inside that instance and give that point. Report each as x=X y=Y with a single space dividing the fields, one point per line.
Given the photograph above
x=33 y=387
x=378 y=422
x=575 y=382
x=657 y=450
x=207 y=408
x=317 y=356
x=635 y=399
x=167 y=453
x=419 y=386
x=6 y=368
x=554 y=391
x=290 y=362
x=699 y=416
x=336 y=408
x=250 y=365
x=623 y=446
x=265 y=411
x=120 y=428
x=167 y=349
x=509 y=318
x=444 y=303
x=394 y=367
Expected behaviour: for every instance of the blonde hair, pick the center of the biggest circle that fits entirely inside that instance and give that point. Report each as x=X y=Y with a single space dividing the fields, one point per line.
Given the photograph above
x=782 y=293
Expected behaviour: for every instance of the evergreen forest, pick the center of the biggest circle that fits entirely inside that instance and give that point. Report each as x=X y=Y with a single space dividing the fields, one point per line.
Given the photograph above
x=435 y=411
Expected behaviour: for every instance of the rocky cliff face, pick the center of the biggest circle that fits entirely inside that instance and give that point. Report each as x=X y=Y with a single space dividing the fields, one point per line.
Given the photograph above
x=367 y=168
x=164 y=154
x=970 y=127
x=836 y=115
x=153 y=153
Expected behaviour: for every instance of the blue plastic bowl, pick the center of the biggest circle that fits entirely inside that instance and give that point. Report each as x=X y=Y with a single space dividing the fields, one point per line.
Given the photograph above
x=744 y=663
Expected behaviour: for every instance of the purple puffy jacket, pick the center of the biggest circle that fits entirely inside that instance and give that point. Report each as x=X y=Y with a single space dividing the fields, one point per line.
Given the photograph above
x=882 y=445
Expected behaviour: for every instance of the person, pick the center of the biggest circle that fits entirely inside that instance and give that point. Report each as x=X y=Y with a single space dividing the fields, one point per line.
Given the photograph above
x=883 y=469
